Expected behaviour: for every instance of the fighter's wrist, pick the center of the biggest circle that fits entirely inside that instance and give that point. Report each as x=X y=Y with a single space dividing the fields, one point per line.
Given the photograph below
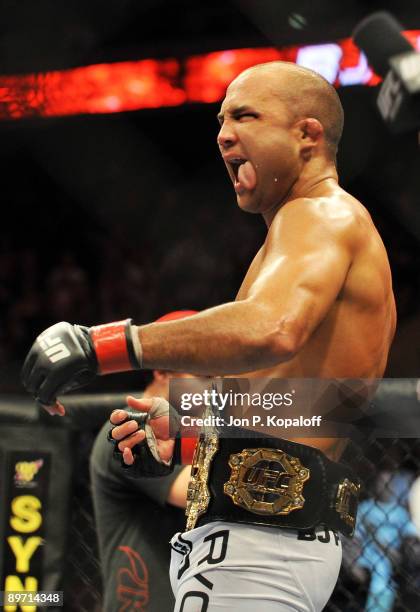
x=137 y=347
x=117 y=347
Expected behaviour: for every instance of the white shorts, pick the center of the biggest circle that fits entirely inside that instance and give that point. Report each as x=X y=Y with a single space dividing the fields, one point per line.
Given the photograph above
x=223 y=567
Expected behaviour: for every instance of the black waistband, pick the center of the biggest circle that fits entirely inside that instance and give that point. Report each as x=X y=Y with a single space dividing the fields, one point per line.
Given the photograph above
x=327 y=491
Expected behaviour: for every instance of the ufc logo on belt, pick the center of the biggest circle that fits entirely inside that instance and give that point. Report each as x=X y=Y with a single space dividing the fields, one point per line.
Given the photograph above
x=263 y=478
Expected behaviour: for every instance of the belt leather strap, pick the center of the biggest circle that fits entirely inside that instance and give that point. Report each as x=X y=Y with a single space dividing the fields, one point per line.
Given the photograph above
x=275 y=482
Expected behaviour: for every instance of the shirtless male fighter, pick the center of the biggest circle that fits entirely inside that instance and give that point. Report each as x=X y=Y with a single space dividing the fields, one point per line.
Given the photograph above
x=316 y=302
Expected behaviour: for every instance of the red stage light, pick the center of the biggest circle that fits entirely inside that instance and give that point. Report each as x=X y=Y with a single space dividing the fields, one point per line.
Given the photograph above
x=126 y=86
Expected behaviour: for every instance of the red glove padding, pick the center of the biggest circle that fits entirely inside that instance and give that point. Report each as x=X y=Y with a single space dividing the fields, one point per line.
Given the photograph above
x=114 y=347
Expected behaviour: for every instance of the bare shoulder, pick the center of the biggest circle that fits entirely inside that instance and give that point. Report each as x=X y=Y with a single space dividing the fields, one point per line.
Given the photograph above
x=337 y=209
x=333 y=214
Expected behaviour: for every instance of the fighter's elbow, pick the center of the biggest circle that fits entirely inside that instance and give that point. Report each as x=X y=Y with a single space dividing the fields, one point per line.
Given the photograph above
x=283 y=348
x=272 y=340
x=285 y=341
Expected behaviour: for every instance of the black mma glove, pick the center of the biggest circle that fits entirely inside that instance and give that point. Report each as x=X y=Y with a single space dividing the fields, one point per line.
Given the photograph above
x=65 y=357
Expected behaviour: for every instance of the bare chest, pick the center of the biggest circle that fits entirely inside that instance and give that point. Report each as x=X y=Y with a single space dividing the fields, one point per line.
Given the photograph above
x=251 y=275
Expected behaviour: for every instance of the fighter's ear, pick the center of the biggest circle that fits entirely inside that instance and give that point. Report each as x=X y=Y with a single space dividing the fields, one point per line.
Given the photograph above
x=310 y=132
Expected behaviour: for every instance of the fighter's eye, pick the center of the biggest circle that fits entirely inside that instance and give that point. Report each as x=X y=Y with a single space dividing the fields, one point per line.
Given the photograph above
x=246 y=115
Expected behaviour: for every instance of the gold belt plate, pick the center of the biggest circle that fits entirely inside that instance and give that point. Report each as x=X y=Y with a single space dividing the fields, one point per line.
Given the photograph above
x=346 y=502
x=266 y=481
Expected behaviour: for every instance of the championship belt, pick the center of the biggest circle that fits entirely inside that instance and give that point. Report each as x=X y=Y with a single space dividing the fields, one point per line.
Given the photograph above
x=198 y=495
x=269 y=481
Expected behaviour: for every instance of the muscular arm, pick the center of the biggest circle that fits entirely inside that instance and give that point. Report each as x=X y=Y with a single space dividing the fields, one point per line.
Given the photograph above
x=306 y=259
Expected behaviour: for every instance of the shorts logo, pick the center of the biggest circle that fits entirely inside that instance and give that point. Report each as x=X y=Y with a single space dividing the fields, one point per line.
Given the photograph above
x=183 y=547
x=25 y=472
x=54 y=348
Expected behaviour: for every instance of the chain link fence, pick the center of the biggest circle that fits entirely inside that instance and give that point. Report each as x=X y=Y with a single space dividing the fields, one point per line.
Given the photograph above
x=82 y=572
x=381 y=564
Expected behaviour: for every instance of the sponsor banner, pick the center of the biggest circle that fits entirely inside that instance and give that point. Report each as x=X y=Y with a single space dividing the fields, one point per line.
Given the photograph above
x=26 y=504
x=35 y=471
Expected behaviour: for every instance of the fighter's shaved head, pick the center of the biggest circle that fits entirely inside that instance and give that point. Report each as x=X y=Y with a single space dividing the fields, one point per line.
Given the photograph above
x=305 y=93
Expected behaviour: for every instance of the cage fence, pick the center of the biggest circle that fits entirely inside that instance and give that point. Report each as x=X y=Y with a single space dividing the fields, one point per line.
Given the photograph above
x=380 y=570
x=381 y=564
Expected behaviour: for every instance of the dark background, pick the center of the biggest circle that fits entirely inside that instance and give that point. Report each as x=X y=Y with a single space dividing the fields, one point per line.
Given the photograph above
x=133 y=214
x=53 y=34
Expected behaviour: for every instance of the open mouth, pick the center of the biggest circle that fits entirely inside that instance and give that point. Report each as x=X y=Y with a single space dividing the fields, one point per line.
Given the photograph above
x=242 y=174
x=234 y=165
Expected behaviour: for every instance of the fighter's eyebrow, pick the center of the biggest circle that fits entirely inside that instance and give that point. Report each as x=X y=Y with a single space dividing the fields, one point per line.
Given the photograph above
x=234 y=112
